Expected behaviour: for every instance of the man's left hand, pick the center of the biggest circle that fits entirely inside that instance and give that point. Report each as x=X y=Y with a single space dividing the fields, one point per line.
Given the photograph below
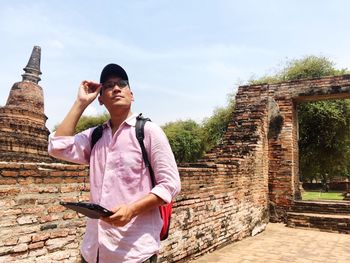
x=122 y=215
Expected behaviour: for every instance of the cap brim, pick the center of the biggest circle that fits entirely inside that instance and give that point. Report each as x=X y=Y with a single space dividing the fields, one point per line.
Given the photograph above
x=113 y=70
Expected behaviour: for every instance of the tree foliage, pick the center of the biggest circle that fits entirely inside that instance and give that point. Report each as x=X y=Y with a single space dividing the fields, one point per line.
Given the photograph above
x=324 y=139
x=304 y=68
x=86 y=122
x=186 y=140
x=215 y=126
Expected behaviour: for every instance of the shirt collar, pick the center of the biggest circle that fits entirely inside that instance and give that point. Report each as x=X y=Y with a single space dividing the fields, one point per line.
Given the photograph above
x=131 y=120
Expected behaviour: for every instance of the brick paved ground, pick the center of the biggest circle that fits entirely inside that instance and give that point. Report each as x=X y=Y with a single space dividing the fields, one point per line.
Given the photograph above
x=280 y=244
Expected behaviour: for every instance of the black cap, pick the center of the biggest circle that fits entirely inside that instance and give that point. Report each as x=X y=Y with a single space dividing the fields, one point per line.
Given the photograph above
x=113 y=70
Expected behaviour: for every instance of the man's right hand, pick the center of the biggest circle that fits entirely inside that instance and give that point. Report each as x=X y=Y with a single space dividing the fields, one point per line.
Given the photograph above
x=88 y=91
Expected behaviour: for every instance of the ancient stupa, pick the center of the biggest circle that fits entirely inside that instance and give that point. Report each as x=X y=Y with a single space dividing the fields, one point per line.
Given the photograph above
x=23 y=134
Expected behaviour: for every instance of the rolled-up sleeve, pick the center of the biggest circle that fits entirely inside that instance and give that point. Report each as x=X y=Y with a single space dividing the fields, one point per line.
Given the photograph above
x=162 y=159
x=74 y=149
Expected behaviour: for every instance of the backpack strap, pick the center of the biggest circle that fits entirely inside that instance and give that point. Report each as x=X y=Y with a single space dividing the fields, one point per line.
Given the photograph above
x=96 y=135
x=140 y=135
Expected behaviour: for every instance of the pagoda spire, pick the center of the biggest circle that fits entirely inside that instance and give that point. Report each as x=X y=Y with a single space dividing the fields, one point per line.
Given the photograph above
x=32 y=70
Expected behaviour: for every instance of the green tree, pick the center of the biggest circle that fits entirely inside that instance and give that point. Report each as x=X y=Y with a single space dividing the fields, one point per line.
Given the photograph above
x=215 y=126
x=304 y=68
x=324 y=126
x=86 y=122
x=186 y=140
x=324 y=139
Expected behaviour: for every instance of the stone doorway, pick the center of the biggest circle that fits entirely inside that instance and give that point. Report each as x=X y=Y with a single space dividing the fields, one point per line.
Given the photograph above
x=283 y=151
x=283 y=135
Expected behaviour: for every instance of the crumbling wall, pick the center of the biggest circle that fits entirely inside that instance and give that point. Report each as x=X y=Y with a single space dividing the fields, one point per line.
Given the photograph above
x=33 y=226
x=23 y=136
x=214 y=208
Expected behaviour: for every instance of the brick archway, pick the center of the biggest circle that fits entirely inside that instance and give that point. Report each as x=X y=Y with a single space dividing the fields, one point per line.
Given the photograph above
x=283 y=134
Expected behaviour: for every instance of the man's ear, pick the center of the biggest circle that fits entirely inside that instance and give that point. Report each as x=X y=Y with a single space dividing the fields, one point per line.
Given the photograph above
x=100 y=100
x=132 y=96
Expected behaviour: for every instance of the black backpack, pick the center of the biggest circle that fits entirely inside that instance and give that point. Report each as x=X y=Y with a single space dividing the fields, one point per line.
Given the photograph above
x=165 y=210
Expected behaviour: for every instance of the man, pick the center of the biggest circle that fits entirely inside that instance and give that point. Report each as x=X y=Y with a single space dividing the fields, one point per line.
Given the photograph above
x=119 y=179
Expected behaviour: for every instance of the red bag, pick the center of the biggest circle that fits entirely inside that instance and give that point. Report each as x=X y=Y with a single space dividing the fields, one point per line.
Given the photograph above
x=165 y=213
x=165 y=210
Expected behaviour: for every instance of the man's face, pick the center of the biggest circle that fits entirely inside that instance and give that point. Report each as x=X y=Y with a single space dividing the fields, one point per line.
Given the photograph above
x=116 y=94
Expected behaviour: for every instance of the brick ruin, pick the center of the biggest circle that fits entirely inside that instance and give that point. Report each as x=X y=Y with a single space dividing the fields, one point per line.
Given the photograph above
x=23 y=135
x=283 y=134
x=249 y=179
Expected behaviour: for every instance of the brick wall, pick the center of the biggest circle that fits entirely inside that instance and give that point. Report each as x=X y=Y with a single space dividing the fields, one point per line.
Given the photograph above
x=218 y=204
x=33 y=226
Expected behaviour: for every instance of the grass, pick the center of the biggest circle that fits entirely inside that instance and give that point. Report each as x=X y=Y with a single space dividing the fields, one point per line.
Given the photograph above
x=317 y=195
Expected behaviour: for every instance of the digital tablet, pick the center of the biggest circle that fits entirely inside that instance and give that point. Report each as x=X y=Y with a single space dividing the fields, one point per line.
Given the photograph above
x=88 y=209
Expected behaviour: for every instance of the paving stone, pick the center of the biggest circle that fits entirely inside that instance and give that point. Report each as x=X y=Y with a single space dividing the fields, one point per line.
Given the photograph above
x=280 y=244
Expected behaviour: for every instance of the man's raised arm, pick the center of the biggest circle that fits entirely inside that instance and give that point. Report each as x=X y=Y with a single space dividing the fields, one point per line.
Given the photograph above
x=88 y=91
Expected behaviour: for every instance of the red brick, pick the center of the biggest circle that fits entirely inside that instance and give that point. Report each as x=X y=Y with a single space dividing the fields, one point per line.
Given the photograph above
x=59 y=233
x=52 y=180
x=40 y=237
x=56 y=173
x=11 y=241
x=36 y=245
x=55 y=209
x=7 y=181
x=33 y=210
x=29 y=173
x=9 y=191
x=9 y=173
x=20 y=248
x=48 y=218
x=67 y=216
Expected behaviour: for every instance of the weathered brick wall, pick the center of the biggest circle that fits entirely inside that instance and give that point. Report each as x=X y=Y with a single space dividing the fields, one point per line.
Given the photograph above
x=230 y=201
x=214 y=208
x=23 y=136
x=33 y=226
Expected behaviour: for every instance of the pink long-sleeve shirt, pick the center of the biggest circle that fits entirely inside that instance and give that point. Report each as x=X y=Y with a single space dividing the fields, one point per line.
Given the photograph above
x=118 y=176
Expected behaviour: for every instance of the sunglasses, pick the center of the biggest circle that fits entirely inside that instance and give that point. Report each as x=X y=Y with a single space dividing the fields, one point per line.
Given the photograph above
x=111 y=84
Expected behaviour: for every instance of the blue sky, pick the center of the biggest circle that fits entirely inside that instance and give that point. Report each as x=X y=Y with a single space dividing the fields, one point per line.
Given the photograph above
x=182 y=57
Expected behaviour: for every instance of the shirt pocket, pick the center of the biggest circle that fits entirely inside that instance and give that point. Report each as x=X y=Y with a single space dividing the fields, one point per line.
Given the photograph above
x=130 y=168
